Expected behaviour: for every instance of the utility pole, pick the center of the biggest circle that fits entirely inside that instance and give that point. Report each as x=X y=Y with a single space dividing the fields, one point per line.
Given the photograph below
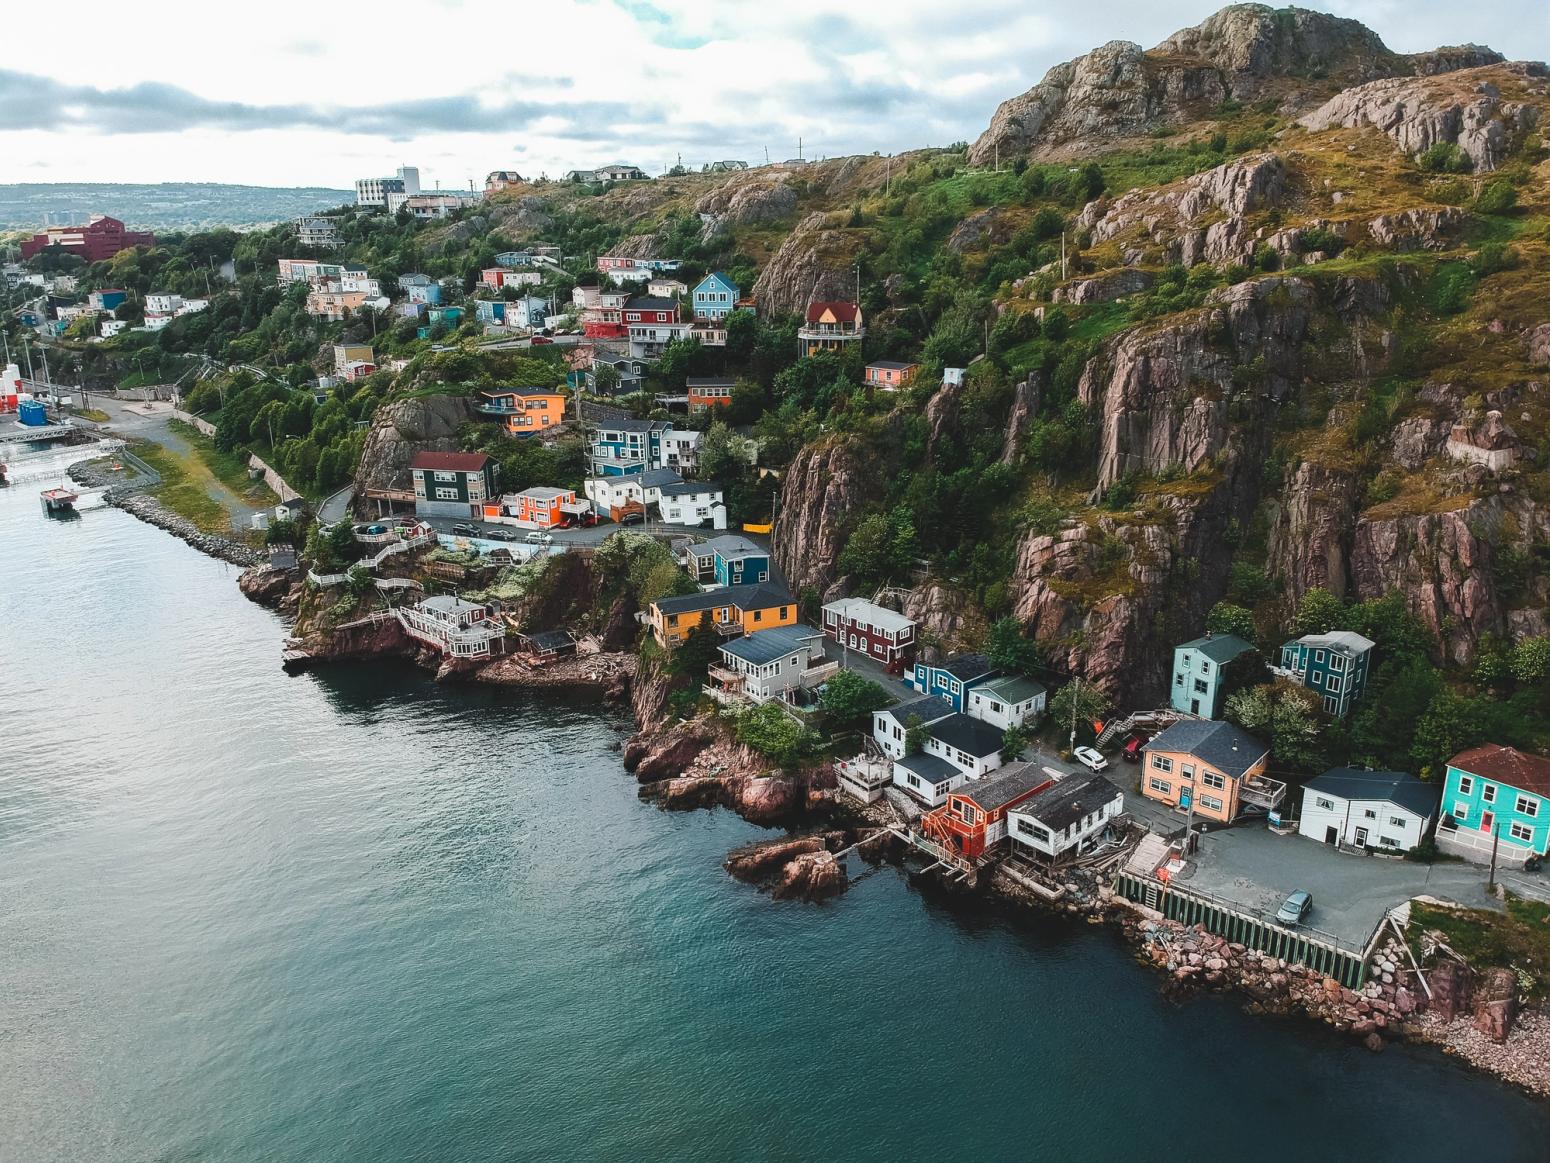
x=1062 y=254
x=1496 y=839
x=1075 y=695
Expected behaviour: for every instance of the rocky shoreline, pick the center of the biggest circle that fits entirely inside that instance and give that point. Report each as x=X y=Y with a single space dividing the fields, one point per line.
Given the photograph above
x=153 y=512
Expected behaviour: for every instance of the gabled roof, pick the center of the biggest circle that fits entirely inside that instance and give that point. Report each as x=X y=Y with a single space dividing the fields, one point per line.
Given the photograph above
x=768 y=645
x=859 y=609
x=965 y=667
x=729 y=547
x=715 y=277
x=1506 y=765
x=1070 y=799
x=843 y=312
x=656 y=478
x=689 y=488
x=996 y=791
x=1344 y=641
x=892 y=364
x=1393 y=787
x=968 y=735
x=1012 y=689
x=927 y=709
x=1220 y=648
x=450 y=461
x=650 y=303
x=1220 y=745
x=759 y=596
x=931 y=768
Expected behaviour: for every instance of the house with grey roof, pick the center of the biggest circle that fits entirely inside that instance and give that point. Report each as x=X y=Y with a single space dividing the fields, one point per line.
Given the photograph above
x=928 y=778
x=770 y=665
x=890 y=725
x=1066 y=817
x=1368 y=809
x=1198 y=669
x=1210 y=769
x=1333 y=666
x=1009 y=701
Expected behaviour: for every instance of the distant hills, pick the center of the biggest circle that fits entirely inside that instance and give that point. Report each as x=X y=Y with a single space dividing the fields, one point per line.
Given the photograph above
x=167 y=206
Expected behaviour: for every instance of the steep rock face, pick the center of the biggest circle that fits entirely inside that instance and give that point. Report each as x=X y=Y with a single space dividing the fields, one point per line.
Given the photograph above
x=402 y=428
x=822 y=497
x=523 y=217
x=1418 y=229
x=1464 y=109
x=992 y=226
x=1539 y=345
x=945 y=616
x=1162 y=395
x=1453 y=58
x=1117 y=91
x=1025 y=406
x=1103 y=288
x=1310 y=530
x=812 y=263
x=755 y=198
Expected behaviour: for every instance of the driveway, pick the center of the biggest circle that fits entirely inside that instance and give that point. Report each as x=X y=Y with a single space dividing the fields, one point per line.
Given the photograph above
x=1255 y=867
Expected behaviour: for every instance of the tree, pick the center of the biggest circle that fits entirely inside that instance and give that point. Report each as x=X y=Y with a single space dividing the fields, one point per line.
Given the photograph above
x=849 y=700
x=1087 y=702
x=915 y=735
x=882 y=546
x=1531 y=660
x=1012 y=743
x=1008 y=650
x=1319 y=612
x=1226 y=618
x=605 y=379
x=697 y=651
x=1285 y=714
x=774 y=734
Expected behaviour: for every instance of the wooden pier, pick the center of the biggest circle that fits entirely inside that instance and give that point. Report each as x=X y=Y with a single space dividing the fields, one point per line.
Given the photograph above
x=59 y=500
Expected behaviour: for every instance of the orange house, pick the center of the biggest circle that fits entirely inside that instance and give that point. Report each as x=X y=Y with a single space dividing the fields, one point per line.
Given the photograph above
x=524 y=411
x=712 y=392
x=543 y=507
x=890 y=375
x=973 y=820
x=733 y=610
x=1214 y=766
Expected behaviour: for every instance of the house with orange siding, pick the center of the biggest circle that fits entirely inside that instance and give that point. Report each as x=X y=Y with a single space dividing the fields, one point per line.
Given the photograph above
x=524 y=411
x=708 y=392
x=1217 y=767
x=889 y=374
x=733 y=611
x=544 y=507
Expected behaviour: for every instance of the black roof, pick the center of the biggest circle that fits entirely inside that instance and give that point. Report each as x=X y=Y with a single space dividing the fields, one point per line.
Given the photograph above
x=967 y=666
x=650 y=303
x=760 y=596
x=1394 y=787
x=1069 y=800
x=655 y=478
x=709 y=381
x=928 y=709
x=1000 y=789
x=931 y=768
x=549 y=639
x=689 y=488
x=968 y=735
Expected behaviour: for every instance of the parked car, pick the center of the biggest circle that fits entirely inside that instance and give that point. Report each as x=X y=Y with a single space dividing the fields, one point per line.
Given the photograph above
x=632 y=519
x=539 y=340
x=538 y=537
x=1132 y=749
x=465 y=529
x=1091 y=758
x=587 y=520
x=376 y=530
x=501 y=535
x=1295 y=909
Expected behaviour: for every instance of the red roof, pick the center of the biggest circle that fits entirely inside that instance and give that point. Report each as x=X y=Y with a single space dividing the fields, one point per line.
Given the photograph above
x=1506 y=765
x=450 y=461
x=842 y=312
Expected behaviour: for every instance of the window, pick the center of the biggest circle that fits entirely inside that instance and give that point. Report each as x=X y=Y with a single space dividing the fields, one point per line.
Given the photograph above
x=1488 y=792
x=1466 y=784
x=1201 y=686
x=1162 y=763
x=1369 y=814
x=446 y=476
x=1337 y=662
x=967 y=812
x=1160 y=786
x=1334 y=684
x=1527 y=806
x=1029 y=828
x=1179 y=680
x=1396 y=821
x=1389 y=842
x=1213 y=779
x=1211 y=803
x=1521 y=832
x=446 y=494
x=1331 y=705
x=1187 y=771
x=1326 y=805
x=1318 y=656
x=1315 y=679
x=1461 y=812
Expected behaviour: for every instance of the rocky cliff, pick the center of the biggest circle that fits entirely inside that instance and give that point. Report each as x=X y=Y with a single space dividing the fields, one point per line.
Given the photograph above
x=823 y=494
x=403 y=428
x=814 y=262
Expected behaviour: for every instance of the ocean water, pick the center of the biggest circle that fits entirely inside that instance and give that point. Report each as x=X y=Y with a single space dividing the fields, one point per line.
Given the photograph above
x=353 y=915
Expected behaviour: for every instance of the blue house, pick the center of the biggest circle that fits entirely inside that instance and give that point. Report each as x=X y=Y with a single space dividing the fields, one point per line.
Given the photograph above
x=729 y=561
x=624 y=446
x=1197 y=673
x=1495 y=797
x=715 y=297
x=490 y=311
x=952 y=680
x=1334 y=666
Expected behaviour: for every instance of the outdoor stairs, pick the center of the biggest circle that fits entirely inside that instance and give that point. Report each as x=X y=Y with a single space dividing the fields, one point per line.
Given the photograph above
x=1158 y=719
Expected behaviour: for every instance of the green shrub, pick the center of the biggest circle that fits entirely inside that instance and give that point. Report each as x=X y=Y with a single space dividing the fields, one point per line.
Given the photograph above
x=1497 y=198
x=1445 y=158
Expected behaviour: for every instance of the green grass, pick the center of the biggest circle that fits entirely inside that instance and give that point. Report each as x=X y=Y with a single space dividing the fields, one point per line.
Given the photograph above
x=95 y=415
x=1520 y=938
x=182 y=490
x=230 y=468
x=139 y=380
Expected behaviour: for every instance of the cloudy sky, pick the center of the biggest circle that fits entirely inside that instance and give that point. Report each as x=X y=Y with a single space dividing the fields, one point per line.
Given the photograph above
x=297 y=92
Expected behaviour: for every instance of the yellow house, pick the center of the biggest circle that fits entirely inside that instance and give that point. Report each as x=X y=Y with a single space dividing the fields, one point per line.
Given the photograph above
x=734 y=611
x=1214 y=764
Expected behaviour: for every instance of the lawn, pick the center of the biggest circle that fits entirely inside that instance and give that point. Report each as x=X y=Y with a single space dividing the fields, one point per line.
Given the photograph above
x=1520 y=938
x=184 y=487
x=230 y=468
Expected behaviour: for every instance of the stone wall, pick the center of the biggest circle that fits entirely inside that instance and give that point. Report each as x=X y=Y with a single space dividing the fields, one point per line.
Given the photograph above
x=273 y=479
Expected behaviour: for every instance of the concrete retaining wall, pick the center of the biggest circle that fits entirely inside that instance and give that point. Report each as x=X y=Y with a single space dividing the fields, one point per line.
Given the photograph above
x=203 y=426
x=273 y=479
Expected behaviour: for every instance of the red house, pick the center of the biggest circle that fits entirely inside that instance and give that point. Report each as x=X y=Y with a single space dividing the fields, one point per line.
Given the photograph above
x=647 y=309
x=878 y=633
x=101 y=238
x=973 y=820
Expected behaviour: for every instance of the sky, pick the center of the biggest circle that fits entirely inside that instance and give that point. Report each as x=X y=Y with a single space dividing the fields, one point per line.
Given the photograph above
x=302 y=93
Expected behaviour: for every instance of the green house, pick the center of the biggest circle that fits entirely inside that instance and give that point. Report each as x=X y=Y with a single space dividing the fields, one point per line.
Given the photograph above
x=1197 y=673
x=1334 y=666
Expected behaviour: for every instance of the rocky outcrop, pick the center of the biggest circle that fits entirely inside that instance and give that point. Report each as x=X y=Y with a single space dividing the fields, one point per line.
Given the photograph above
x=753 y=198
x=654 y=754
x=399 y=430
x=1465 y=109
x=1452 y=59
x=823 y=495
x=1118 y=91
x=521 y=217
x=1103 y=288
x=791 y=868
x=1025 y=406
x=1310 y=530
x=813 y=263
x=266 y=585
x=946 y=618
x=1422 y=228
x=812 y=876
x=992 y=226
x=1539 y=345
x=1496 y=1003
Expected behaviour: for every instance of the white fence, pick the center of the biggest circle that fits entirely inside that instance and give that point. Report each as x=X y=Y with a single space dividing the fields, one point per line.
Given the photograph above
x=204 y=427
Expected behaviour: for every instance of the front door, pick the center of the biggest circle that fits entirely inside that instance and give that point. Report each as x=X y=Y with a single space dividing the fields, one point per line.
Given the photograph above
x=1488 y=822
x=1194 y=706
x=1331 y=835
x=1361 y=837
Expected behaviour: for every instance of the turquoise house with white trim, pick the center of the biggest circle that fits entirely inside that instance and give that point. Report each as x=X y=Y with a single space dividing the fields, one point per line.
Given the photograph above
x=715 y=297
x=1499 y=797
x=1198 y=667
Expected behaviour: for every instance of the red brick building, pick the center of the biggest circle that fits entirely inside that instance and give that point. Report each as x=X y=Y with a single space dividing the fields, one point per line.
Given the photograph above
x=99 y=239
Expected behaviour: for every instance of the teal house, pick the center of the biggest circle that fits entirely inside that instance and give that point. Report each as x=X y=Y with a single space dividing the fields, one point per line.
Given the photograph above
x=1495 y=797
x=715 y=297
x=1197 y=673
x=1333 y=666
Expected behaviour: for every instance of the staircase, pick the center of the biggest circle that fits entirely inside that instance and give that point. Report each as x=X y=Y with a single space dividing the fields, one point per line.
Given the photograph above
x=1155 y=720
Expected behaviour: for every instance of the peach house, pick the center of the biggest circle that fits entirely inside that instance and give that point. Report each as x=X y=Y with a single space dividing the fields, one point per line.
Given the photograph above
x=890 y=375
x=1214 y=766
x=732 y=611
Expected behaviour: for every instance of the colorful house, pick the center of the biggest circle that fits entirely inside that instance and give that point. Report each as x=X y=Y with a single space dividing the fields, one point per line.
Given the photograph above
x=1198 y=667
x=545 y=507
x=1333 y=666
x=1367 y=809
x=715 y=297
x=618 y=447
x=952 y=680
x=652 y=323
x=728 y=561
x=347 y=353
x=830 y=326
x=1214 y=766
x=524 y=411
x=739 y=610
x=889 y=375
x=107 y=299
x=1065 y=817
x=709 y=392
x=1496 y=796
x=879 y=633
x=974 y=819
x=452 y=484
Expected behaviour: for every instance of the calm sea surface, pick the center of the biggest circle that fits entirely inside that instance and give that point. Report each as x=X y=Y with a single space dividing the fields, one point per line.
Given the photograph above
x=355 y=916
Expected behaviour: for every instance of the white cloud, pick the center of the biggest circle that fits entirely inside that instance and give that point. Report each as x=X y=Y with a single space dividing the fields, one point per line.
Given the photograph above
x=296 y=92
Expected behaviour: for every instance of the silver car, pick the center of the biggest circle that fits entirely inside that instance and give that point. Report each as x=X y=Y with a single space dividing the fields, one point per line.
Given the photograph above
x=1295 y=909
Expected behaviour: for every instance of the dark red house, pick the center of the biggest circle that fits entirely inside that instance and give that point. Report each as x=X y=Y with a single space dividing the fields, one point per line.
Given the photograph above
x=858 y=624
x=973 y=820
x=645 y=309
x=99 y=239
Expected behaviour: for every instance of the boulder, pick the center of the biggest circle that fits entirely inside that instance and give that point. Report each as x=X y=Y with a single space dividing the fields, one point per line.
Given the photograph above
x=754 y=862
x=1496 y=1003
x=1539 y=345
x=811 y=876
x=764 y=799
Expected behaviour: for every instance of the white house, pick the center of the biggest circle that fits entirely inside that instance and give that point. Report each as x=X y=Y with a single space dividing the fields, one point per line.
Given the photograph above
x=889 y=726
x=972 y=746
x=1007 y=702
x=692 y=504
x=529 y=311
x=928 y=778
x=681 y=450
x=770 y=664
x=1065 y=817
x=1368 y=809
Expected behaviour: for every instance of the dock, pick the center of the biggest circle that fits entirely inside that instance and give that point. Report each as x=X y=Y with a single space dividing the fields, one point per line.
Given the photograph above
x=59 y=500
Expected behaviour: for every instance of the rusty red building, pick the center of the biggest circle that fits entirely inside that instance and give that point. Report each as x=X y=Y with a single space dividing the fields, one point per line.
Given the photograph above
x=101 y=238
